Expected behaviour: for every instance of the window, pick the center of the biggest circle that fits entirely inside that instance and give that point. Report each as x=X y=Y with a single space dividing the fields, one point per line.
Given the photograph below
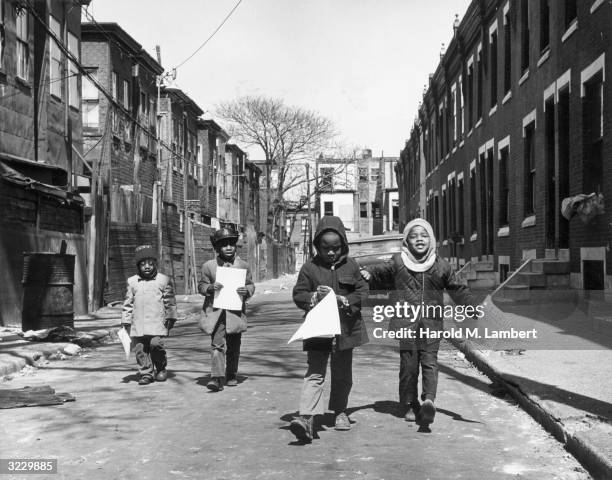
x=507 y=53
x=304 y=222
x=592 y=108
x=114 y=86
x=524 y=36
x=327 y=178
x=544 y=25
x=374 y=174
x=443 y=233
x=480 y=87
x=23 y=48
x=470 y=95
x=436 y=215
x=529 y=169
x=452 y=208
x=126 y=94
x=73 y=79
x=376 y=210
x=143 y=108
x=473 y=224
x=91 y=101
x=504 y=189
x=461 y=107
x=570 y=12
x=55 y=60
x=363 y=210
x=460 y=213
x=455 y=119
x=328 y=208
x=363 y=174
x=493 y=67
x=2 y=36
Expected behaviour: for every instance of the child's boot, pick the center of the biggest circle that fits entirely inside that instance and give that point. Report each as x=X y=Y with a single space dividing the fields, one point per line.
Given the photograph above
x=412 y=411
x=427 y=412
x=145 y=380
x=162 y=375
x=231 y=380
x=342 y=422
x=215 y=384
x=301 y=427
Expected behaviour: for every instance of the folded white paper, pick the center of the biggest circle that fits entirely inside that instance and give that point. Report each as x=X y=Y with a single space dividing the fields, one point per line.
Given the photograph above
x=126 y=341
x=323 y=321
x=231 y=279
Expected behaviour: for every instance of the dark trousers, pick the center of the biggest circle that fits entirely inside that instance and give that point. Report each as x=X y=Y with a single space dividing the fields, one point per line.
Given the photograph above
x=150 y=352
x=225 y=350
x=423 y=354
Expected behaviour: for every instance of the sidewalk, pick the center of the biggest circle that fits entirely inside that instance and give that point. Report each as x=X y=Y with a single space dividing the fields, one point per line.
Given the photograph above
x=93 y=330
x=562 y=380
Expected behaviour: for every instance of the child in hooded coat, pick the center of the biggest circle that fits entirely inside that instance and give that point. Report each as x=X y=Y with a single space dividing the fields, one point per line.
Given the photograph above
x=417 y=275
x=330 y=271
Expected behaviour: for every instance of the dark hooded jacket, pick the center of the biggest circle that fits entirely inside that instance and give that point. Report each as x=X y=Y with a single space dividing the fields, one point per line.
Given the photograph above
x=344 y=278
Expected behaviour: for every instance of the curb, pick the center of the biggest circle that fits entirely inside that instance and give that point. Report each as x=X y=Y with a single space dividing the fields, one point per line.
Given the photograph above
x=591 y=458
x=24 y=354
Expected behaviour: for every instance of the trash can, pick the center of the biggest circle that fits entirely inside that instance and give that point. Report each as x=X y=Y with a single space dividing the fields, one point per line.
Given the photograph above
x=48 y=281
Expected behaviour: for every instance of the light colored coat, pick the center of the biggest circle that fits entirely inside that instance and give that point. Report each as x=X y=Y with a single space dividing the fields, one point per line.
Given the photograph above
x=235 y=320
x=148 y=303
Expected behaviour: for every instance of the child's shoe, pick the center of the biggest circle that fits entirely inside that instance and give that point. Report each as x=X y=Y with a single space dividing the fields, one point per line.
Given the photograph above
x=162 y=375
x=231 y=380
x=427 y=412
x=301 y=427
x=342 y=422
x=215 y=384
x=412 y=410
x=145 y=380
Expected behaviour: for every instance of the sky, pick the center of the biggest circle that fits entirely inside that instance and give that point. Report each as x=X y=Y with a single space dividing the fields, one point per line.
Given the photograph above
x=361 y=63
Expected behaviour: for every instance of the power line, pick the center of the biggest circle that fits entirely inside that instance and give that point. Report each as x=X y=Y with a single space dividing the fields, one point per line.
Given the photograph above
x=211 y=35
x=53 y=80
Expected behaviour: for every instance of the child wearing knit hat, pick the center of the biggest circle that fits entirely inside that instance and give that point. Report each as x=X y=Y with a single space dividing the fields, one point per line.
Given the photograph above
x=149 y=313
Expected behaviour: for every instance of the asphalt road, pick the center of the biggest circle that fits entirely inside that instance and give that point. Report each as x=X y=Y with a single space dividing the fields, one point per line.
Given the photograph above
x=117 y=429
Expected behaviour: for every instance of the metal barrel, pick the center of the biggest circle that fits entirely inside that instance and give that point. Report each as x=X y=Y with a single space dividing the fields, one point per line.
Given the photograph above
x=48 y=281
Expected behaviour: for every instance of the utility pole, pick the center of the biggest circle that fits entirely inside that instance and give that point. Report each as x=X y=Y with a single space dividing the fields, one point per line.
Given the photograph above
x=186 y=222
x=159 y=190
x=67 y=122
x=309 y=223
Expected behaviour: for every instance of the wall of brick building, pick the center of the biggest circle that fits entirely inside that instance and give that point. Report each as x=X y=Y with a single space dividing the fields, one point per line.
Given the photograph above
x=576 y=53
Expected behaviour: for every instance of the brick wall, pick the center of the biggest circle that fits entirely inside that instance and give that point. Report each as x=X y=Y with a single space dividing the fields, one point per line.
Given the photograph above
x=575 y=54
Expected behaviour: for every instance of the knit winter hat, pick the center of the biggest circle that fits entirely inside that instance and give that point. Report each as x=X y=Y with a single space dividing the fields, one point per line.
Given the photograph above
x=144 y=252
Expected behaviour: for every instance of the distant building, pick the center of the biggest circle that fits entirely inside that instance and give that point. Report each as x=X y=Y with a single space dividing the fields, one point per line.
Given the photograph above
x=360 y=190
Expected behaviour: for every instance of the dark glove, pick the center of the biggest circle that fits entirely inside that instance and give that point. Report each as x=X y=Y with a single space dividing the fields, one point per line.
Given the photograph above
x=169 y=323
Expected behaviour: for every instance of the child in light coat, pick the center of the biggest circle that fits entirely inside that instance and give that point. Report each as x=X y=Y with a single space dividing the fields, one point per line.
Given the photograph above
x=149 y=313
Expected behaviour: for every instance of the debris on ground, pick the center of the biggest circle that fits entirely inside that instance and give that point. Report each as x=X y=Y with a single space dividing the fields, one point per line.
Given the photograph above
x=32 y=397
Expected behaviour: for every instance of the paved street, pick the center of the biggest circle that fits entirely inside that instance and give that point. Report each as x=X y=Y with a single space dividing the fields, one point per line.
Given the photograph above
x=118 y=429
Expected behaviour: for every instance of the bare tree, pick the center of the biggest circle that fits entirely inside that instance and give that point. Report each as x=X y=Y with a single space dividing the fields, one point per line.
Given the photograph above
x=287 y=136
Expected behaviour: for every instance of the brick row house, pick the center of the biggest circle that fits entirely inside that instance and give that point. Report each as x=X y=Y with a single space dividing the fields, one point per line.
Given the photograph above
x=506 y=155
x=40 y=155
